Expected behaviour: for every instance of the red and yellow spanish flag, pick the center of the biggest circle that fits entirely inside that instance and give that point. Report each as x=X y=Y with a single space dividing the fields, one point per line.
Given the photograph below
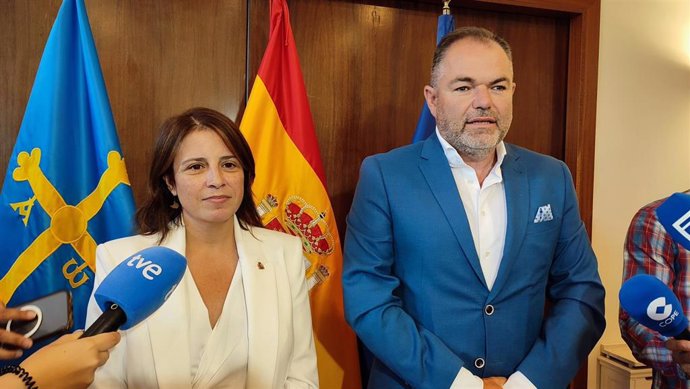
x=291 y=193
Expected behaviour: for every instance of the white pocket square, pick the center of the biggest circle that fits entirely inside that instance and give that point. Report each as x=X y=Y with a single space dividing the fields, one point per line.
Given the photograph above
x=543 y=214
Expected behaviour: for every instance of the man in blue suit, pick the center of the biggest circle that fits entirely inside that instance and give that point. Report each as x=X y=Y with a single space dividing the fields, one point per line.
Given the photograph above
x=454 y=244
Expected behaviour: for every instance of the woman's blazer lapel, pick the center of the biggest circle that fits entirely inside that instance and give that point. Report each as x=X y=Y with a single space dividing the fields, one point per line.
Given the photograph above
x=259 y=276
x=169 y=344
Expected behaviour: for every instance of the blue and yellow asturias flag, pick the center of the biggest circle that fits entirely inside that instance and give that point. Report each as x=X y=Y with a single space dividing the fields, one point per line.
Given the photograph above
x=66 y=187
x=426 y=125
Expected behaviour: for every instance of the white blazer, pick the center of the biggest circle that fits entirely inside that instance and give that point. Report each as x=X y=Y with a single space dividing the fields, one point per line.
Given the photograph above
x=281 y=354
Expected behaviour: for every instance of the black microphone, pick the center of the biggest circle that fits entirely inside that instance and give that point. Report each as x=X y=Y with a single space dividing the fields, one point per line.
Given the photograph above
x=110 y=320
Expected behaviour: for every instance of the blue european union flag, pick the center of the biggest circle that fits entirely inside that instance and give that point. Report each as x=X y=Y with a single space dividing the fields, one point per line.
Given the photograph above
x=426 y=125
x=66 y=187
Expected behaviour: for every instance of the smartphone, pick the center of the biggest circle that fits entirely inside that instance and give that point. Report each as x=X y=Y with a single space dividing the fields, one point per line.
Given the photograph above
x=53 y=317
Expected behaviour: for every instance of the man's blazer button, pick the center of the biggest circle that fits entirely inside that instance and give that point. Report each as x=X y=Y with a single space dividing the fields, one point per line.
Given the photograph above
x=479 y=363
x=489 y=310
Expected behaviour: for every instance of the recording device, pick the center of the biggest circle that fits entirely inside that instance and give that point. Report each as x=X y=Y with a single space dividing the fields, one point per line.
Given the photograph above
x=136 y=288
x=53 y=318
x=674 y=215
x=653 y=304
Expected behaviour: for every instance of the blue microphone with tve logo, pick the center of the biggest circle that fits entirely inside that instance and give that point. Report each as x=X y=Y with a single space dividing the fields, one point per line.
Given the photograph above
x=136 y=288
x=652 y=303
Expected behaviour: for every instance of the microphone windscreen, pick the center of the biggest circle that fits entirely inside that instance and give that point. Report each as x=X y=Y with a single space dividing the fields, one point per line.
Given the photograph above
x=141 y=283
x=652 y=303
x=674 y=215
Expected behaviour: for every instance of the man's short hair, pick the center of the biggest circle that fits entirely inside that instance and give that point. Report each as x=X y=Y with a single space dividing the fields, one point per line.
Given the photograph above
x=471 y=32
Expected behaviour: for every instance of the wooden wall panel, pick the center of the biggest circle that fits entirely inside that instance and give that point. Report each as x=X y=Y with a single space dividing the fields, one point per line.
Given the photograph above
x=158 y=58
x=366 y=64
x=24 y=29
x=163 y=57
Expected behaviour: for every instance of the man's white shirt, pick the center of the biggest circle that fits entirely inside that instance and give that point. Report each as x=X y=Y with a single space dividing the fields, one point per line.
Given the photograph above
x=485 y=207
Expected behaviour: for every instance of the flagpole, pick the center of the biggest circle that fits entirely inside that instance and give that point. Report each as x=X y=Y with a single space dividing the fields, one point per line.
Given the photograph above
x=246 y=57
x=426 y=125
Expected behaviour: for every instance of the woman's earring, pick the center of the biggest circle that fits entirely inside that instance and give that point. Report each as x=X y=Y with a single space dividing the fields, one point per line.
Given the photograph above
x=175 y=204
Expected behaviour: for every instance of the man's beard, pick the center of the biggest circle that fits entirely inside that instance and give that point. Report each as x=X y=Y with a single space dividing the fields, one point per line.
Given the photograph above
x=468 y=144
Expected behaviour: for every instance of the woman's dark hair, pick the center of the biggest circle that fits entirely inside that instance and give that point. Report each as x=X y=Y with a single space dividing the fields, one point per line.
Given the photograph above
x=156 y=214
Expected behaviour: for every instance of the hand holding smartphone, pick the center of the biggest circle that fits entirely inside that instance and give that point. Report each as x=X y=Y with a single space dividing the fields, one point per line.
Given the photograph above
x=14 y=343
x=53 y=317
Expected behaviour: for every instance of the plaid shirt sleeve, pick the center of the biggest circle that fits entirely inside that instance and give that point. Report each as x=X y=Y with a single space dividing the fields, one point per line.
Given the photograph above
x=650 y=250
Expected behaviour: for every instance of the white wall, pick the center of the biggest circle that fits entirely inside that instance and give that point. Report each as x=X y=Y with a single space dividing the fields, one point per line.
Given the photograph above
x=643 y=127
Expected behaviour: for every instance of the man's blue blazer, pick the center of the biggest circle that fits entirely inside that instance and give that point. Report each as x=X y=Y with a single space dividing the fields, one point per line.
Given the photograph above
x=415 y=293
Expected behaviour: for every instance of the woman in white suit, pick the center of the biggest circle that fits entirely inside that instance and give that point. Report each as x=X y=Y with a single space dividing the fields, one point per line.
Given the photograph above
x=240 y=316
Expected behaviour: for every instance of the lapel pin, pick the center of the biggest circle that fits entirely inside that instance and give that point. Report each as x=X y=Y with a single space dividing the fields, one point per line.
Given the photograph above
x=260 y=265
